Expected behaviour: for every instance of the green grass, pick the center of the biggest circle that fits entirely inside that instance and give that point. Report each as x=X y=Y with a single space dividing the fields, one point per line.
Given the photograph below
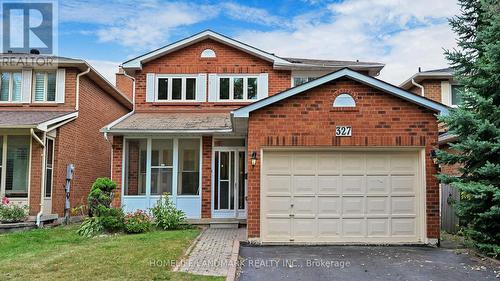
x=60 y=254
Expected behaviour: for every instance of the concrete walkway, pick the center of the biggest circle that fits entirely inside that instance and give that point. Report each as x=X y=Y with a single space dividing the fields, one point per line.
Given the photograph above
x=212 y=253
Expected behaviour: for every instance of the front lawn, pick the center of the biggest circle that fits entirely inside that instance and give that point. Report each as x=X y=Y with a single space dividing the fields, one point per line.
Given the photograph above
x=60 y=254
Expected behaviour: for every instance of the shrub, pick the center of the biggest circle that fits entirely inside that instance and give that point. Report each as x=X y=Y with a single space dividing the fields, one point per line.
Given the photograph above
x=137 y=222
x=166 y=215
x=101 y=194
x=10 y=213
x=112 y=219
x=90 y=227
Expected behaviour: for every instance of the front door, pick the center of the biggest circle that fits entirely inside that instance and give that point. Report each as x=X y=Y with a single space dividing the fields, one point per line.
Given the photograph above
x=229 y=196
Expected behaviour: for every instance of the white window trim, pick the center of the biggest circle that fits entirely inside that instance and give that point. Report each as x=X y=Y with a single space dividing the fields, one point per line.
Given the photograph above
x=183 y=87
x=3 y=164
x=51 y=168
x=175 y=167
x=45 y=86
x=11 y=87
x=231 y=88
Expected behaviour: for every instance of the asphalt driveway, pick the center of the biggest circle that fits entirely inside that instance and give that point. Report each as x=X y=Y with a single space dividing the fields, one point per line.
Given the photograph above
x=361 y=263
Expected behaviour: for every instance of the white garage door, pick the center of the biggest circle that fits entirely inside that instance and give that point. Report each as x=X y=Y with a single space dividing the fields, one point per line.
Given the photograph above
x=341 y=196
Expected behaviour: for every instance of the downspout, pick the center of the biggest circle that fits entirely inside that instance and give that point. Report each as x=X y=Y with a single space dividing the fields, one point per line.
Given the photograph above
x=42 y=177
x=77 y=105
x=418 y=85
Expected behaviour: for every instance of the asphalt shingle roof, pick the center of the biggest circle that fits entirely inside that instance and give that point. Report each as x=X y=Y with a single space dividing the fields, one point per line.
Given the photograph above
x=27 y=118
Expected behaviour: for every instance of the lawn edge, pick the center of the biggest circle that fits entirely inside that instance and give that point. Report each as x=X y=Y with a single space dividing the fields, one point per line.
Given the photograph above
x=188 y=251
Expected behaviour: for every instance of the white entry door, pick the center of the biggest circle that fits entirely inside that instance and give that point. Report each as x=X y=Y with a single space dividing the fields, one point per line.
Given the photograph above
x=342 y=196
x=229 y=192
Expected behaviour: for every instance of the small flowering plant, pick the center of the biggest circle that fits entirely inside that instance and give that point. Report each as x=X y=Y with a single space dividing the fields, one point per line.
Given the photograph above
x=138 y=222
x=11 y=213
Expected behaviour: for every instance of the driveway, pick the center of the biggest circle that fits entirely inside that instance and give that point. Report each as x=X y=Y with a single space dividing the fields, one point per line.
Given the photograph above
x=361 y=263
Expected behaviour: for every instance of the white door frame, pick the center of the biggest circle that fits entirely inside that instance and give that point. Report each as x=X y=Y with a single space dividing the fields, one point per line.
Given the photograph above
x=236 y=213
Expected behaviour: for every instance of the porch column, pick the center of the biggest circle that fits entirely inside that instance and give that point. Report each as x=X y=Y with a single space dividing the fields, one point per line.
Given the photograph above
x=116 y=168
x=206 y=188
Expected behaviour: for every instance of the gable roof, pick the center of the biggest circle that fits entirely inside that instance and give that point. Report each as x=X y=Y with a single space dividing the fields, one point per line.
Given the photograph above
x=443 y=73
x=278 y=62
x=244 y=112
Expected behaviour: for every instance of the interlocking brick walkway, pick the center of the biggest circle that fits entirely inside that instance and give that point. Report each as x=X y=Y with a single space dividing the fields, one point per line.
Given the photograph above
x=212 y=254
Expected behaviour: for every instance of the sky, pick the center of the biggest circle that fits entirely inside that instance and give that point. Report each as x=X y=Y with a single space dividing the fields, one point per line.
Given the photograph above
x=403 y=34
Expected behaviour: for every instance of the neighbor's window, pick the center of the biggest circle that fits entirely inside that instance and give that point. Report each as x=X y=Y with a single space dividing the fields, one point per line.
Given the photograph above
x=188 y=180
x=44 y=86
x=176 y=89
x=18 y=154
x=344 y=100
x=162 y=166
x=238 y=88
x=135 y=166
x=49 y=166
x=10 y=86
x=301 y=80
x=456 y=94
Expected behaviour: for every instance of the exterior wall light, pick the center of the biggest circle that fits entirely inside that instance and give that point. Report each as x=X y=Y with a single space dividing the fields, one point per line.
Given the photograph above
x=254 y=159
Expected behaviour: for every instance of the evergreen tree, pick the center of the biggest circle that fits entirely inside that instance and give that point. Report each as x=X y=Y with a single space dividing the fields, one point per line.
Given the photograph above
x=476 y=122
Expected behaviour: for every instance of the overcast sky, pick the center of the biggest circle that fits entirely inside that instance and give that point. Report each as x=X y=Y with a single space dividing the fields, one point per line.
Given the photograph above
x=403 y=34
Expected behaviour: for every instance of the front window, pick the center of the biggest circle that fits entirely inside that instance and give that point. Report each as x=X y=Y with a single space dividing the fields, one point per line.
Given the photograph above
x=189 y=167
x=135 y=167
x=10 y=86
x=49 y=166
x=301 y=80
x=44 y=86
x=238 y=88
x=162 y=164
x=456 y=94
x=176 y=89
x=18 y=155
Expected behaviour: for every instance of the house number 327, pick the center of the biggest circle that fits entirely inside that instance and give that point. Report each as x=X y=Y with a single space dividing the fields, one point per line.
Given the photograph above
x=343 y=131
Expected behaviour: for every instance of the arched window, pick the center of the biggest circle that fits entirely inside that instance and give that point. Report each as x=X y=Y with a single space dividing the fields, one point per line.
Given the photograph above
x=208 y=53
x=344 y=100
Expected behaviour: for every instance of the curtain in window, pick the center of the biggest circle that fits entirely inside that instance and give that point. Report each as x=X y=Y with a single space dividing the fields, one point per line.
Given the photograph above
x=51 y=87
x=39 y=86
x=17 y=79
x=4 y=86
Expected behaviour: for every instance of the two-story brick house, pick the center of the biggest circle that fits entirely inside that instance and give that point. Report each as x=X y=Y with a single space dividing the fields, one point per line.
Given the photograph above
x=303 y=150
x=51 y=110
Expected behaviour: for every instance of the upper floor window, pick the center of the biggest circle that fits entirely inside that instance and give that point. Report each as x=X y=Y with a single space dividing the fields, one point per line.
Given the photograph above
x=301 y=80
x=208 y=53
x=10 y=86
x=344 y=100
x=44 y=86
x=456 y=94
x=176 y=88
x=238 y=88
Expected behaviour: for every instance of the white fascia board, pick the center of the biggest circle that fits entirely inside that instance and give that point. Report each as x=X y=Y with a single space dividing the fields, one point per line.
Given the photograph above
x=44 y=126
x=136 y=63
x=108 y=127
x=133 y=131
x=244 y=112
x=421 y=76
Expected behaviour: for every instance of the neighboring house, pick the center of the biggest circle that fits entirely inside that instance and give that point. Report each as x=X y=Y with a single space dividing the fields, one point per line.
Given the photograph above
x=50 y=116
x=439 y=85
x=342 y=157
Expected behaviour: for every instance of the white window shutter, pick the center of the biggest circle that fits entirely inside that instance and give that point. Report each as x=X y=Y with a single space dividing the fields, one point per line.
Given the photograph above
x=212 y=87
x=26 y=86
x=201 y=87
x=150 y=87
x=262 y=87
x=60 y=85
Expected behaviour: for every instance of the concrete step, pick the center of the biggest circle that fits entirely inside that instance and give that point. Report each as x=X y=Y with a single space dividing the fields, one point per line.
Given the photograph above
x=225 y=224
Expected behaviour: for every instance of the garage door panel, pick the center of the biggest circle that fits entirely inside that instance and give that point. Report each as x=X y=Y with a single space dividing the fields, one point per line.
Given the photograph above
x=304 y=184
x=304 y=163
x=304 y=206
x=377 y=206
x=329 y=206
x=277 y=229
x=328 y=185
x=329 y=228
x=377 y=227
x=404 y=205
x=278 y=185
x=278 y=206
x=403 y=227
x=353 y=163
x=353 y=227
x=403 y=184
x=403 y=164
x=353 y=185
x=353 y=206
x=377 y=163
x=304 y=229
x=278 y=163
x=378 y=185
x=329 y=163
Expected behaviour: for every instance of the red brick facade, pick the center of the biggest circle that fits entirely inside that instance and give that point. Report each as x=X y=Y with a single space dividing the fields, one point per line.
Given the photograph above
x=432 y=89
x=308 y=120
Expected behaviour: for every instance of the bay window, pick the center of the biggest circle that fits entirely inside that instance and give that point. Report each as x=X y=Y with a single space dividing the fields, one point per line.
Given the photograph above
x=156 y=166
x=238 y=88
x=176 y=88
x=44 y=86
x=10 y=86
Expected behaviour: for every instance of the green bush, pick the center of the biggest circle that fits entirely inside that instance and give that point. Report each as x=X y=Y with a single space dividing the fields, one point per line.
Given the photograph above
x=112 y=219
x=166 y=215
x=10 y=213
x=90 y=227
x=101 y=194
x=137 y=222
